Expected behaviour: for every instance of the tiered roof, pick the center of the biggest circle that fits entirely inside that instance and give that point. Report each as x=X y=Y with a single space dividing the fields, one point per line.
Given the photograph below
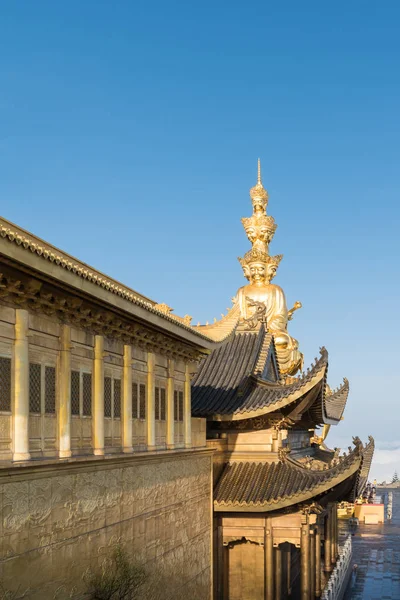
x=240 y=380
x=256 y=486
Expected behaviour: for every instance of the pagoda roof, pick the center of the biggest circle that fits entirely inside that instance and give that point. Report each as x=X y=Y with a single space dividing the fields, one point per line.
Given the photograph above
x=222 y=329
x=367 y=457
x=241 y=380
x=335 y=403
x=246 y=486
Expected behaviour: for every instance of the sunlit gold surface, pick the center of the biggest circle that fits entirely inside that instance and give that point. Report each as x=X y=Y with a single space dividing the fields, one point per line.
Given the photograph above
x=260 y=268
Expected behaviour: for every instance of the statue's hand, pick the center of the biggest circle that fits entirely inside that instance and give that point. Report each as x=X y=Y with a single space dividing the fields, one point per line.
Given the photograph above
x=296 y=306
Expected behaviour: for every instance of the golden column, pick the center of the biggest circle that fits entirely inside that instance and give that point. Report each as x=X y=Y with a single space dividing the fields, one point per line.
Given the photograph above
x=188 y=408
x=305 y=562
x=268 y=561
x=312 y=562
x=333 y=535
x=64 y=407
x=288 y=571
x=150 y=414
x=318 y=561
x=170 y=405
x=127 y=401
x=278 y=573
x=21 y=387
x=328 y=541
x=336 y=532
x=98 y=396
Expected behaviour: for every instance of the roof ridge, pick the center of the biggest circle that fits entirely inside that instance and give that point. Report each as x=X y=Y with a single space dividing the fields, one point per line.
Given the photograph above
x=47 y=251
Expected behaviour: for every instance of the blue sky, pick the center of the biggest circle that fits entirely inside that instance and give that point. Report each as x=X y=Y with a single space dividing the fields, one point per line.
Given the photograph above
x=129 y=137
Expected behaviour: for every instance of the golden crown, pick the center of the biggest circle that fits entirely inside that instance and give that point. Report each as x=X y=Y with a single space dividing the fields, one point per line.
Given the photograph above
x=258 y=256
x=260 y=221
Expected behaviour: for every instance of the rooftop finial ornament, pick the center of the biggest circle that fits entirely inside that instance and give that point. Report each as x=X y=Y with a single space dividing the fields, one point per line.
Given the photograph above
x=260 y=227
x=259 y=194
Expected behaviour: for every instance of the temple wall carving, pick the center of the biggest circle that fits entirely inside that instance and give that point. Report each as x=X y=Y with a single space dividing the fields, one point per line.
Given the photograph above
x=57 y=523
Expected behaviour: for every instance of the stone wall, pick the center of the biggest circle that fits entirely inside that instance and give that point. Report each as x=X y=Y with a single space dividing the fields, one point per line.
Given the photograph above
x=59 y=519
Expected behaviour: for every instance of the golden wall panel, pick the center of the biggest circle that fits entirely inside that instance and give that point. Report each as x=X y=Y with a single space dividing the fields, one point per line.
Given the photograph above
x=45 y=325
x=80 y=336
x=139 y=355
x=7 y=315
x=198 y=433
x=5 y=436
x=35 y=426
x=50 y=426
x=113 y=346
x=138 y=435
x=7 y=330
x=179 y=433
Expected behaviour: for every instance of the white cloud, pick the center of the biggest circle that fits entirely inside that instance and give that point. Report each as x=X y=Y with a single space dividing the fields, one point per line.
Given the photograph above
x=386 y=460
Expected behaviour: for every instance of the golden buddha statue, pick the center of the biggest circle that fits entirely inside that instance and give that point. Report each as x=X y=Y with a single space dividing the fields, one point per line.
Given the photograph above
x=260 y=268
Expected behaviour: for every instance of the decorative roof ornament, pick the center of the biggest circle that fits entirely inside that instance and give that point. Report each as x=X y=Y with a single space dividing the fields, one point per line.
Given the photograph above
x=258 y=193
x=260 y=227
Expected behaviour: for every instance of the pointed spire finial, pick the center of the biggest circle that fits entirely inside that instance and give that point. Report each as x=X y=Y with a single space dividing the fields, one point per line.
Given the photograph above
x=258 y=191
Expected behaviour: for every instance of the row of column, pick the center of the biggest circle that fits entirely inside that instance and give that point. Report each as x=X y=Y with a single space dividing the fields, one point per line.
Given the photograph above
x=310 y=557
x=310 y=565
x=21 y=399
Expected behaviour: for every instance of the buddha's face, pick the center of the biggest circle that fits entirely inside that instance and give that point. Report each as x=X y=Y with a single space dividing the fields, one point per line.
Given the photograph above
x=266 y=234
x=251 y=233
x=259 y=205
x=257 y=273
x=271 y=271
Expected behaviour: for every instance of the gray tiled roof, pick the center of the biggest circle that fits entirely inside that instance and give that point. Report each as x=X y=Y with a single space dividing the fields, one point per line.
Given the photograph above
x=228 y=381
x=258 y=483
x=216 y=387
x=368 y=455
x=335 y=403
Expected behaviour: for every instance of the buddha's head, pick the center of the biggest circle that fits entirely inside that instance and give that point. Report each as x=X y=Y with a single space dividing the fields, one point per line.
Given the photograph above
x=258 y=273
x=251 y=232
x=262 y=273
x=272 y=266
x=258 y=267
x=259 y=230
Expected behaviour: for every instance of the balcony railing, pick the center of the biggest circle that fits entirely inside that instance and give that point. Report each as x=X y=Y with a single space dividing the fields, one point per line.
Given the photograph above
x=337 y=583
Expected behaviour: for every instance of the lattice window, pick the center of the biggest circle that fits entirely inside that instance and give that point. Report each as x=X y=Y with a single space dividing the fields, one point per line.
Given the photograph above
x=75 y=392
x=107 y=396
x=163 y=404
x=176 y=406
x=117 y=398
x=157 y=403
x=87 y=394
x=135 y=412
x=5 y=383
x=35 y=387
x=142 y=400
x=180 y=395
x=50 y=390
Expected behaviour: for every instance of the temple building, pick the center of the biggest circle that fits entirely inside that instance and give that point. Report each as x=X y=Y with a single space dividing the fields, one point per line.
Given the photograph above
x=201 y=450
x=276 y=483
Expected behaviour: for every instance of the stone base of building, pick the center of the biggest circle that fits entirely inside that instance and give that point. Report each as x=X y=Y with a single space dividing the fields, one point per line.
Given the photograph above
x=61 y=519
